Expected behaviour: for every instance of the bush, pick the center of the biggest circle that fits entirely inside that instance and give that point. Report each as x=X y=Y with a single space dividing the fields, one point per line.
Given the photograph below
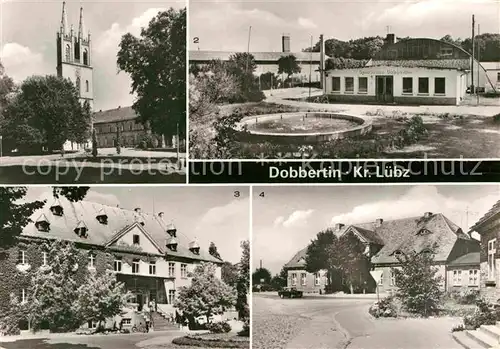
x=458 y=328
x=384 y=308
x=210 y=343
x=485 y=314
x=466 y=296
x=219 y=327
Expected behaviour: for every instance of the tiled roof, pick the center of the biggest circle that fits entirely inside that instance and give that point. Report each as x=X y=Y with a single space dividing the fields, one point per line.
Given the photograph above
x=492 y=212
x=468 y=259
x=459 y=64
x=207 y=56
x=297 y=259
x=113 y=115
x=119 y=220
x=405 y=235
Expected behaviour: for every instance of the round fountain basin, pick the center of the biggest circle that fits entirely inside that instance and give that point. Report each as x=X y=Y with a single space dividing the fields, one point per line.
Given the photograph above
x=302 y=127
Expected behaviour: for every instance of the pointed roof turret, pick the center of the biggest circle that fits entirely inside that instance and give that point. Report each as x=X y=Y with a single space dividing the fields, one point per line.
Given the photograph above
x=64 y=19
x=81 y=25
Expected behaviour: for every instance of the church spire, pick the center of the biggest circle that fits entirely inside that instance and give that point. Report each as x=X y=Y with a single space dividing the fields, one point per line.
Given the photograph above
x=64 y=19
x=81 y=26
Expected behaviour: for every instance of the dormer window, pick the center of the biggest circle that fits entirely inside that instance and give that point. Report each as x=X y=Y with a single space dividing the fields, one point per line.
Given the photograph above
x=172 y=244
x=56 y=208
x=398 y=254
x=423 y=231
x=42 y=223
x=81 y=229
x=102 y=217
x=194 y=247
x=426 y=252
x=171 y=230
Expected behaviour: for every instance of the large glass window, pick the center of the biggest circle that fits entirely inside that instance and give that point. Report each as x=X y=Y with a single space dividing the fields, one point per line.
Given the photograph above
x=336 y=84
x=363 y=85
x=439 y=86
x=349 y=84
x=407 y=85
x=423 y=85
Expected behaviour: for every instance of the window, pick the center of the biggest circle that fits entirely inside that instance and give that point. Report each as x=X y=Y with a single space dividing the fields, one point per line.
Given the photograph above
x=117 y=264
x=349 y=84
x=136 y=239
x=407 y=85
x=363 y=85
x=152 y=268
x=317 y=279
x=44 y=258
x=423 y=85
x=86 y=86
x=21 y=257
x=171 y=296
x=303 y=278
x=294 y=279
x=393 y=277
x=183 y=270
x=171 y=269
x=85 y=57
x=336 y=84
x=381 y=280
x=446 y=52
x=473 y=277
x=492 y=249
x=68 y=53
x=23 y=296
x=127 y=321
x=135 y=266
x=92 y=324
x=457 y=278
x=439 y=86
x=91 y=260
x=498 y=77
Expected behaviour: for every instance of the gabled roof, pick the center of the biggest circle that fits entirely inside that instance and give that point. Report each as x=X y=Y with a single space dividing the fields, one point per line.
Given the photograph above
x=297 y=259
x=403 y=235
x=490 y=214
x=207 y=56
x=468 y=259
x=119 y=221
x=114 y=115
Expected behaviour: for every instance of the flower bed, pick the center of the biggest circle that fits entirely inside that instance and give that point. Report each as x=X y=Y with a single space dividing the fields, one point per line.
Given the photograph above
x=213 y=340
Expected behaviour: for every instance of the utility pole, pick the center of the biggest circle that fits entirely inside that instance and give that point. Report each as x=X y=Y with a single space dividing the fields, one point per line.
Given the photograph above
x=478 y=64
x=310 y=66
x=472 y=89
x=248 y=46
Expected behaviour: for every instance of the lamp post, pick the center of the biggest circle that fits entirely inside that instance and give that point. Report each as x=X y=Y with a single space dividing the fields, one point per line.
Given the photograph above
x=177 y=141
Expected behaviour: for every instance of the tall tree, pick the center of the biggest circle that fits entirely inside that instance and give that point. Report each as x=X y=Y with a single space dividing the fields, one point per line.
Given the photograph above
x=50 y=105
x=242 y=65
x=261 y=276
x=288 y=65
x=280 y=280
x=206 y=295
x=7 y=87
x=229 y=273
x=243 y=285
x=212 y=250
x=156 y=62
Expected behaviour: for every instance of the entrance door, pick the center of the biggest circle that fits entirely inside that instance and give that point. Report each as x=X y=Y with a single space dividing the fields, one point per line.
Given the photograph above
x=384 y=86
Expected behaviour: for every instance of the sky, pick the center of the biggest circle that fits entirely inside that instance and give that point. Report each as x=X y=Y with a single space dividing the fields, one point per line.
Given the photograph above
x=28 y=39
x=224 y=25
x=286 y=219
x=209 y=214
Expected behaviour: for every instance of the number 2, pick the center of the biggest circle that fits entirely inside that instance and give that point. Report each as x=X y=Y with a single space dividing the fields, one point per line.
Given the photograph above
x=196 y=40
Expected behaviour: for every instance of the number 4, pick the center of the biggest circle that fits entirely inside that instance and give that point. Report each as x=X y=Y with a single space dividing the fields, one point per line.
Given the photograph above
x=262 y=194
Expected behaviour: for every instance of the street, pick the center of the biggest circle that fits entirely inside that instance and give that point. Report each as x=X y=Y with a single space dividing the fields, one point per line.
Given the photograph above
x=341 y=323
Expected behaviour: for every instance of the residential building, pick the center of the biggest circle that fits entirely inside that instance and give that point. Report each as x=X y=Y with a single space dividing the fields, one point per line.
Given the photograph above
x=386 y=241
x=488 y=227
x=146 y=252
x=411 y=71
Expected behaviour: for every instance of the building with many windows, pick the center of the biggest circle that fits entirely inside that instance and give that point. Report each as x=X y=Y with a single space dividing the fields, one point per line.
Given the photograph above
x=411 y=71
x=455 y=252
x=146 y=252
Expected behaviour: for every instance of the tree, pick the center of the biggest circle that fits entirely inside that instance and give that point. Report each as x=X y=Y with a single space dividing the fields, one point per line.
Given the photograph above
x=94 y=143
x=243 y=285
x=280 y=280
x=53 y=294
x=118 y=140
x=322 y=254
x=212 y=250
x=156 y=62
x=355 y=264
x=261 y=276
x=229 y=273
x=242 y=66
x=7 y=87
x=101 y=297
x=419 y=288
x=206 y=296
x=288 y=65
x=50 y=105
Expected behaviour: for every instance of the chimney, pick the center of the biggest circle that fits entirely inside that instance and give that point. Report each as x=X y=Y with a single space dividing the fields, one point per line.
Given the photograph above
x=322 y=62
x=390 y=39
x=285 y=43
x=160 y=215
x=378 y=222
x=339 y=226
x=427 y=214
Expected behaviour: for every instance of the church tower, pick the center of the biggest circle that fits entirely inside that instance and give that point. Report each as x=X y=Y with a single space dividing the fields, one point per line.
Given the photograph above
x=74 y=57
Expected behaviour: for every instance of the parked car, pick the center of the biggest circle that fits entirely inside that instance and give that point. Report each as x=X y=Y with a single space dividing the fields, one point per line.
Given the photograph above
x=290 y=292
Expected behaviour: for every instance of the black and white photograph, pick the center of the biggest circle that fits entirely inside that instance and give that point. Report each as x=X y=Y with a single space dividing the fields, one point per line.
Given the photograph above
x=344 y=80
x=375 y=267
x=124 y=267
x=93 y=92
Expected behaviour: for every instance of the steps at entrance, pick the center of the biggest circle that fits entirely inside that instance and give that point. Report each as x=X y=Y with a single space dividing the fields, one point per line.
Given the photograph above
x=486 y=336
x=162 y=324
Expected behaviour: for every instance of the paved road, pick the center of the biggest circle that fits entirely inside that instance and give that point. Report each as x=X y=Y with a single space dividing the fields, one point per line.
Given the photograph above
x=330 y=323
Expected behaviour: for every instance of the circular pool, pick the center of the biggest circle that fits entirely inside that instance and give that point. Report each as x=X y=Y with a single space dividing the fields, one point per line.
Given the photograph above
x=303 y=127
